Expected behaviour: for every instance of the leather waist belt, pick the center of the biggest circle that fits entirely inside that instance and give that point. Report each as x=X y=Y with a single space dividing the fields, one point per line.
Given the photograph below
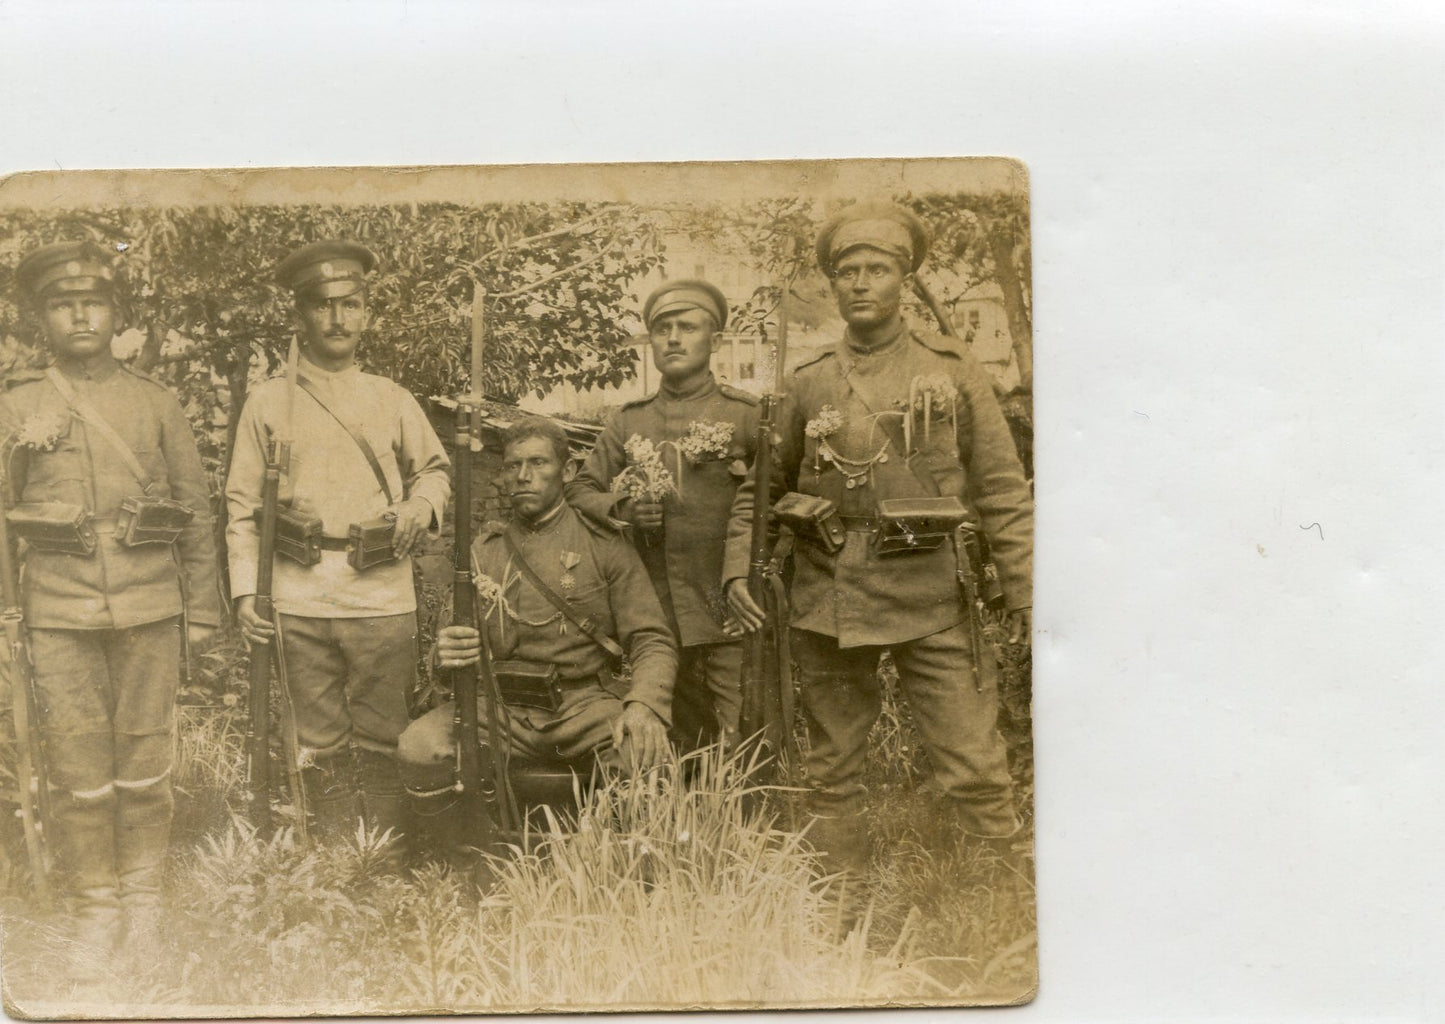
x=335 y=543
x=859 y=524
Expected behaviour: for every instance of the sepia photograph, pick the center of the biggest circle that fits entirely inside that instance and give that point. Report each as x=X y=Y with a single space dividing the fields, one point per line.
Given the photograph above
x=517 y=588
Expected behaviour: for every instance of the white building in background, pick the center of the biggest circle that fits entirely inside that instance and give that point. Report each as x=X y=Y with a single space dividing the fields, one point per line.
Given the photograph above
x=743 y=361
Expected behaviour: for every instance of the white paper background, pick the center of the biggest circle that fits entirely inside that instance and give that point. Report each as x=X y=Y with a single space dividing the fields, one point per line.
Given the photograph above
x=1238 y=244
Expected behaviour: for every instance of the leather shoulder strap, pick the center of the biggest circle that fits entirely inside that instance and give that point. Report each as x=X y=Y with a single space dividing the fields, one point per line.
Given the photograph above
x=90 y=415
x=361 y=442
x=558 y=602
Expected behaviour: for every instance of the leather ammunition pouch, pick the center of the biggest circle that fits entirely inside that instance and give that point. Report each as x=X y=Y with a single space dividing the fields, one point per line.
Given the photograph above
x=812 y=519
x=54 y=526
x=909 y=526
x=150 y=521
x=528 y=684
x=370 y=542
x=298 y=536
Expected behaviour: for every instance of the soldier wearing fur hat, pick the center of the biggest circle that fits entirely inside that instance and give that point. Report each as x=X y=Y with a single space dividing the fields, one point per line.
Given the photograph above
x=107 y=494
x=893 y=412
x=704 y=433
x=362 y=452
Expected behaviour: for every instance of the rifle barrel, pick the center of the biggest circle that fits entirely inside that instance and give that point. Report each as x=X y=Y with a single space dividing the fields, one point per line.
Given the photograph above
x=258 y=747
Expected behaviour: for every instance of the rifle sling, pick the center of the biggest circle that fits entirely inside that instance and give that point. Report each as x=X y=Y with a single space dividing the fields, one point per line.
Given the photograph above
x=87 y=413
x=558 y=602
x=355 y=435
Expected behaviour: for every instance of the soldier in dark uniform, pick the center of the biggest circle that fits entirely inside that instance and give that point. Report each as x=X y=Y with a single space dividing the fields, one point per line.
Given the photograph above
x=597 y=573
x=706 y=435
x=890 y=412
x=110 y=444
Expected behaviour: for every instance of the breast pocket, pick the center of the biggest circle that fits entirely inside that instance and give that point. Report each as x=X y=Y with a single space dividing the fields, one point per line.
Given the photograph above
x=53 y=475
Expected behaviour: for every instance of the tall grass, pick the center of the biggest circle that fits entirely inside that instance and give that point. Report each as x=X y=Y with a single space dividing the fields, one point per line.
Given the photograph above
x=665 y=894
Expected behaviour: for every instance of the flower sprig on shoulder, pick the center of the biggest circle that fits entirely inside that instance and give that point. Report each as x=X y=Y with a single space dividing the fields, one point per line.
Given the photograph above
x=645 y=478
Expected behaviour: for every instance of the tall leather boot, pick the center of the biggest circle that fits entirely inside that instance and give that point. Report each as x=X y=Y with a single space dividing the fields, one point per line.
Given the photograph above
x=383 y=799
x=84 y=829
x=843 y=847
x=332 y=792
x=140 y=857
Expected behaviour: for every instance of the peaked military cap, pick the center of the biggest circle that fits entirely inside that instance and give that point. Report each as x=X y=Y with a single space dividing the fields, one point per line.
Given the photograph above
x=884 y=226
x=64 y=267
x=688 y=293
x=330 y=270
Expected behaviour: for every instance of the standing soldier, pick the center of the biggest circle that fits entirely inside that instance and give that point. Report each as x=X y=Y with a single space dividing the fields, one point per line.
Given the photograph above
x=705 y=433
x=361 y=449
x=107 y=492
x=893 y=412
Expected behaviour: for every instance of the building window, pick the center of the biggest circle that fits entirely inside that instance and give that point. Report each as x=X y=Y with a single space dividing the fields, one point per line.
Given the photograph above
x=747 y=370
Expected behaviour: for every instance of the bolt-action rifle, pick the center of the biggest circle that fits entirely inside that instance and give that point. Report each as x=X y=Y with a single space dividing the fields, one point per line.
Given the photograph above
x=258 y=733
x=30 y=775
x=479 y=794
x=767 y=685
x=968 y=551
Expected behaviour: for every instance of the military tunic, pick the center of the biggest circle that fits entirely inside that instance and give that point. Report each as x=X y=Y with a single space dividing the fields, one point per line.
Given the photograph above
x=843 y=438
x=116 y=587
x=600 y=576
x=685 y=560
x=854 y=595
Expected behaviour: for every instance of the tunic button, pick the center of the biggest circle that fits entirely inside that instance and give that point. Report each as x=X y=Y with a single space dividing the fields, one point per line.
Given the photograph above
x=883 y=457
x=852 y=483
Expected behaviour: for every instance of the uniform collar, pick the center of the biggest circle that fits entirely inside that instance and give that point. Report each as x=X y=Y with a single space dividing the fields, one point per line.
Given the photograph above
x=546 y=520
x=857 y=348
x=315 y=372
x=702 y=389
x=75 y=369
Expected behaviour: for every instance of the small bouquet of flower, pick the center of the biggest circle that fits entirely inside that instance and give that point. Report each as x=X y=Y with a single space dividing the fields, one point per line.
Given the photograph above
x=645 y=478
x=41 y=432
x=925 y=392
x=704 y=442
x=823 y=425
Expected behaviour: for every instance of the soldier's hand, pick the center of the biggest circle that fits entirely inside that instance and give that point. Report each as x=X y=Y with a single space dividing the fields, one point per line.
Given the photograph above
x=413 y=517
x=458 y=646
x=640 y=738
x=1020 y=625
x=254 y=628
x=645 y=515
x=744 y=609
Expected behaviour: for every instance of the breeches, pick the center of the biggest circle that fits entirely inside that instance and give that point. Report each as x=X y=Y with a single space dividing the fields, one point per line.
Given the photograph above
x=841 y=699
x=349 y=679
x=581 y=728
x=106 y=703
x=708 y=700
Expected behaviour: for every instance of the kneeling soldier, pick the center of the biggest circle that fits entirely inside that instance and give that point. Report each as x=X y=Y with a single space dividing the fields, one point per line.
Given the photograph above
x=110 y=498
x=554 y=590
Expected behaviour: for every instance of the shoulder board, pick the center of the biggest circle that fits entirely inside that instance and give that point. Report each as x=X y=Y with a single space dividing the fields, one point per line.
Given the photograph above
x=596 y=526
x=737 y=395
x=825 y=354
x=22 y=377
x=638 y=401
x=943 y=344
x=491 y=528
